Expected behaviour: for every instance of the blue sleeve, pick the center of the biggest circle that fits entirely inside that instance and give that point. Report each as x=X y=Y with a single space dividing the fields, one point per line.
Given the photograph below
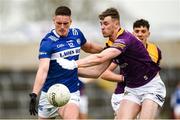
x=81 y=36
x=45 y=49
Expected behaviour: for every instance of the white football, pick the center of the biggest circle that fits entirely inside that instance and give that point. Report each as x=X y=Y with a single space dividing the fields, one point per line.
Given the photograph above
x=58 y=95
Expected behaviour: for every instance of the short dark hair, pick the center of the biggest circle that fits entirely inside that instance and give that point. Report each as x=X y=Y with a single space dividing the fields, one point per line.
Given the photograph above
x=110 y=12
x=63 y=10
x=141 y=22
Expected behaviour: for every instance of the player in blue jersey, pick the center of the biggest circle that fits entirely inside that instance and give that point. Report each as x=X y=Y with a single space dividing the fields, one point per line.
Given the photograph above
x=144 y=91
x=140 y=30
x=175 y=102
x=61 y=42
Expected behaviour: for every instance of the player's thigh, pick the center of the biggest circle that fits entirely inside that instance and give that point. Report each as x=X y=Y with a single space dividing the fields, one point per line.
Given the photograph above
x=149 y=109
x=115 y=102
x=71 y=109
x=128 y=109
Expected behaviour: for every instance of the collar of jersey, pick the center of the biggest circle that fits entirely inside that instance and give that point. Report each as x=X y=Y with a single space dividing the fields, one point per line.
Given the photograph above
x=120 y=32
x=55 y=33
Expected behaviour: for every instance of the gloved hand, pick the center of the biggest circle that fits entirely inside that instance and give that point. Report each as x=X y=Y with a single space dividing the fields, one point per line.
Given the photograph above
x=32 y=104
x=67 y=64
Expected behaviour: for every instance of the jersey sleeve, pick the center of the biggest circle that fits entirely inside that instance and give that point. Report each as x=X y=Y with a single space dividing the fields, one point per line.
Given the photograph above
x=81 y=36
x=121 y=44
x=45 y=49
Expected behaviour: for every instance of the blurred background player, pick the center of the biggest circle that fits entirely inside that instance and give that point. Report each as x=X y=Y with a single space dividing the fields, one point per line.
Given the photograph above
x=144 y=89
x=175 y=102
x=61 y=42
x=140 y=30
x=83 y=114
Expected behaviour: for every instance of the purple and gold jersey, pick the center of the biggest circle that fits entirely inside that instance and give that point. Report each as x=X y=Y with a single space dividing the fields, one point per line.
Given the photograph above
x=137 y=64
x=54 y=46
x=120 y=85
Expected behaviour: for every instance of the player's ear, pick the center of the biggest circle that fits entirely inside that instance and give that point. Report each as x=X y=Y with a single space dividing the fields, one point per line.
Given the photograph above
x=70 y=21
x=149 y=34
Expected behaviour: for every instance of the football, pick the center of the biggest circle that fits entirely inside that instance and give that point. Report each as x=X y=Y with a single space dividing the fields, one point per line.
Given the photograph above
x=58 y=95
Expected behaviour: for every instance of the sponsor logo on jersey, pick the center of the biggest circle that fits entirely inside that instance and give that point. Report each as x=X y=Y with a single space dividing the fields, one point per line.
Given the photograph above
x=60 y=45
x=66 y=53
x=70 y=53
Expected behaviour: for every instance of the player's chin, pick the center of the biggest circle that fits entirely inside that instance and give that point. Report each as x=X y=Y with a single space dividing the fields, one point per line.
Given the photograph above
x=141 y=38
x=105 y=35
x=63 y=34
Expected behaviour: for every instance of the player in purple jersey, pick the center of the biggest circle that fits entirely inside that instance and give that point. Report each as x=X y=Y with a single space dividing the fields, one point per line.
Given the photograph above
x=144 y=89
x=140 y=30
x=61 y=42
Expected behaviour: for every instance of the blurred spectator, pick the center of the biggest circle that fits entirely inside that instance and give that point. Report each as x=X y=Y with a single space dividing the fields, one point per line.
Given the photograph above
x=175 y=102
x=83 y=104
x=84 y=98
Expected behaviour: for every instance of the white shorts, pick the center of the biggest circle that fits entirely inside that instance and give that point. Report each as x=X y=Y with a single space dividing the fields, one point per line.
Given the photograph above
x=115 y=101
x=46 y=110
x=154 y=90
x=83 y=104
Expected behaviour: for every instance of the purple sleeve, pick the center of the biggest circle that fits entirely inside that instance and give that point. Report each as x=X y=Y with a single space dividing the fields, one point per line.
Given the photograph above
x=121 y=44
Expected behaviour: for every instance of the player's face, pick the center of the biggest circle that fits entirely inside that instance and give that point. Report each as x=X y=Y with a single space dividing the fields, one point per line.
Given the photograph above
x=62 y=24
x=142 y=33
x=107 y=26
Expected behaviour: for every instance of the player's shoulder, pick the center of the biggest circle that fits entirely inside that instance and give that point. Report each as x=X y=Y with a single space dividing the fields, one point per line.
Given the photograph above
x=51 y=36
x=126 y=37
x=152 y=44
x=125 y=34
x=75 y=31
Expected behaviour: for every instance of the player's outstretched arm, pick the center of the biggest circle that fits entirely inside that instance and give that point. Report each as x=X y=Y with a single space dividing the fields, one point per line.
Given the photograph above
x=110 y=75
x=39 y=82
x=93 y=71
x=91 y=60
x=96 y=59
x=90 y=47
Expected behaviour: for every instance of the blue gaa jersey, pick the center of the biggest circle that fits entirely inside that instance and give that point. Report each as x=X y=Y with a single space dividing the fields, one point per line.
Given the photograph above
x=54 y=46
